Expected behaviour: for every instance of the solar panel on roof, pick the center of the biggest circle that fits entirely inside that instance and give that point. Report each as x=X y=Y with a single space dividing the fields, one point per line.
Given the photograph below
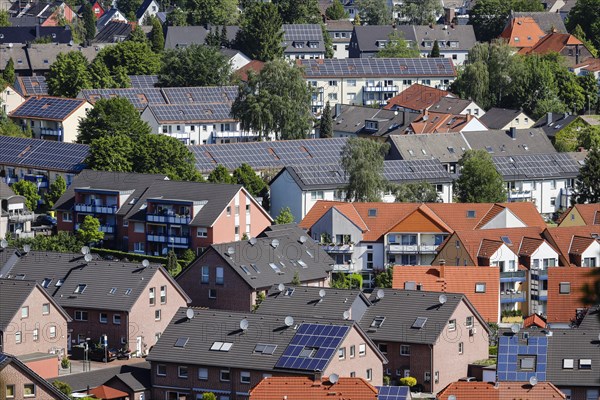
x=42 y=154
x=392 y=392
x=34 y=85
x=143 y=81
x=51 y=108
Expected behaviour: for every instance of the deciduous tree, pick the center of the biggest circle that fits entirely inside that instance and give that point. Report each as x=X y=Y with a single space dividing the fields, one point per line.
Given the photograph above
x=138 y=35
x=194 y=65
x=397 y=47
x=261 y=34
x=298 y=11
x=362 y=161
x=374 y=12
x=244 y=175
x=420 y=12
x=336 y=11
x=89 y=230
x=220 y=175
x=129 y=7
x=55 y=190
x=4 y=21
x=68 y=75
x=479 y=182
x=137 y=58
x=161 y=154
x=586 y=13
x=587 y=185
x=29 y=190
x=417 y=192
x=177 y=17
x=212 y=12
x=111 y=153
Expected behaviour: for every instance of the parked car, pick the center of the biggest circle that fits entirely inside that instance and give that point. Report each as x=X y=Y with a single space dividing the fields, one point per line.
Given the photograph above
x=45 y=219
x=99 y=354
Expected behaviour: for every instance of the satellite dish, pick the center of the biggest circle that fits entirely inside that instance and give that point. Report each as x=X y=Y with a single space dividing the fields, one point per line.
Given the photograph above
x=302 y=239
x=85 y=250
x=145 y=263
x=189 y=313
x=380 y=294
x=442 y=299
x=244 y=324
x=533 y=381
x=281 y=287
x=346 y=314
x=334 y=378
x=26 y=248
x=252 y=241
x=275 y=243
x=515 y=328
x=230 y=251
x=3 y=243
x=289 y=321
x=322 y=293
x=88 y=257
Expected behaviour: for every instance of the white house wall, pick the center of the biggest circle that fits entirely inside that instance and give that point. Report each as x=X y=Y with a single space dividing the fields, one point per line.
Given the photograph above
x=285 y=192
x=505 y=219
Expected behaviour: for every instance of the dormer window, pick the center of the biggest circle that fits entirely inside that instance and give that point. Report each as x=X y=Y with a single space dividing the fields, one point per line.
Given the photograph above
x=372 y=125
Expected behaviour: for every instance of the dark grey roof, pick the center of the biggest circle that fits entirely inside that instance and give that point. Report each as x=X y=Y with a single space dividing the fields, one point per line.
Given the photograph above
x=27 y=34
x=377 y=67
x=401 y=308
x=591 y=321
x=41 y=9
x=575 y=344
x=546 y=21
x=42 y=154
x=181 y=36
x=451 y=105
x=210 y=326
x=136 y=376
x=200 y=95
x=5 y=190
x=306 y=301
x=42 y=56
x=351 y=119
x=498 y=118
x=369 y=36
x=296 y=35
x=499 y=143
x=262 y=264
x=18 y=55
x=137 y=184
x=25 y=21
x=13 y=294
x=191 y=113
x=6 y=360
x=446 y=147
x=530 y=166
x=557 y=123
x=449 y=37
x=139 y=13
x=114 y=31
x=47 y=108
x=109 y=15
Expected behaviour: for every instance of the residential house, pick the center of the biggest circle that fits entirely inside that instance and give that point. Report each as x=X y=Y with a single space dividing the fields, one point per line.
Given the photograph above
x=132 y=307
x=553 y=123
x=367 y=40
x=143 y=81
x=454 y=41
x=97 y=8
x=340 y=33
x=439 y=122
x=416 y=98
x=37 y=160
x=299 y=388
x=567 y=45
x=112 y=14
x=27 y=34
x=427 y=335
x=453 y=105
x=504 y=119
x=51 y=118
x=40 y=13
x=231 y=352
x=303 y=41
x=15 y=218
x=300 y=187
x=231 y=276
x=42 y=56
x=372 y=81
x=113 y=32
x=547 y=21
x=31 y=321
x=236 y=58
x=500 y=390
x=182 y=36
x=18 y=55
x=255 y=66
x=522 y=33
x=21 y=382
x=10 y=99
x=580 y=215
x=351 y=121
x=147 y=10
x=31 y=86
x=140 y=97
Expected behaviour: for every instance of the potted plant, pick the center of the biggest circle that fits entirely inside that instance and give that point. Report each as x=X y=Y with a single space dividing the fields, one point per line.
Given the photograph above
x=65 y=363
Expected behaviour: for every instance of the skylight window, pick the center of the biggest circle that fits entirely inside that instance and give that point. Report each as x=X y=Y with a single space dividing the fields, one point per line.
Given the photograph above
x=289 y=291
x=372 y=212
x=419 y=322
x=506 y=240
x=127 y=292
x=245 y=269
x=275 y=268
x=302 y=264
x=112 y=290
x=59 y=282
x=268 y=349
x=255 y=267
x=470 y=213
x=80 y=288
x=489 y=149
x=377 y=322
x=308 y=352
x=181 y=342
x=46 y=282
x=20 y=277
x=451 y=150
x=310 y=254
x=221 y=346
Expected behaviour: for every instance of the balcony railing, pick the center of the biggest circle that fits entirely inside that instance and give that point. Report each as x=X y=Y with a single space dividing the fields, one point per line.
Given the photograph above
x=343 y=268
x=95 y=209
x=519 y=194
x=512 y=297
x=513 y=276
x=381 y=88
x=171 y=240
x=412 y=248
x=21 y=217
x=106 y=228
x=344 y=248
x=50 y=132
x=540 y=274
x=40 y=180
x=168 y=219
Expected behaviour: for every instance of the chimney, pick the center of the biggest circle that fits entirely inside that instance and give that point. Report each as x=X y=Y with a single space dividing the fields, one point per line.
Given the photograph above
x=405 y=117
x=442 y=269
x=548 y=119
x=513 y=132
x=338 y=110
x=576 y=54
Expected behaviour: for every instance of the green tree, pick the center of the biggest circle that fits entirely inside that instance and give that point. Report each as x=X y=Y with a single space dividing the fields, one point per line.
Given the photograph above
x=63 y=387
x=194 y=65
x=9 y=128
x=397 y=47
x=374 y=12
x=420 y=12
x=172 y=265
x=296 y=279
x=385 y=278
x=417 y=192
x=275 y=102
x=589 y=88
x=112 y=117
x=68 y=75
x=587 y=185
x=177 y=17
x=589 y=137
x=89 y=230
x=285 y=216
x=357 y=21
x=157 y=37
x=489 y=17
x=261 y=33
x=89 y=21
x=161 y=154
x=100 y=76
x=435 y=51
x=408 y=381
x=479 y=182
x=128 y=8
x=212 y=12
x=244 y=175
x=137 y=58
x=220 y=175
x=119 y=75
x=327 y=40
x=362 y=161
x=8 y=75
x=580 y=34
x=29 y=190
x=326 y=123
x=62 y=242
x=138 y=35
x=336 y=11
x=188 y=256
x=55 y=190
x=298 y=11
x=111 y=153
x=209 y=395
x=586 y=13
x=4 y=22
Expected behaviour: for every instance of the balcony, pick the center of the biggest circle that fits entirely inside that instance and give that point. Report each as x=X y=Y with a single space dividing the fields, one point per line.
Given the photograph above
x=375 y=102
x=519 y=194
x=95 y=209
x=342 y=268
x=21 y=216
x=171 y=240
x=512 y=297
x=106 y=228
x=50 y=132
x=157 y=238
x=513 y=276
x=540 y=274
x=317 y=103
x=40 y=180
x=381 y=88
x=344 y=248
x=412 y=248
x=168 y=219
x=542 y=295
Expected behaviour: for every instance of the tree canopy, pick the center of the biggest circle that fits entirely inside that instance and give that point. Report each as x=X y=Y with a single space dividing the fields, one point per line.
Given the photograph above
x=220 y=175
x=587 y=185
x=420 y=12
x=8 y=75
x=374 y=12
x=244 y=175
x=29 y=190
x=89 y=230
x=68 y=75
x=417 y=192
x=135 y=57
x=285 y=216
x=397 y=47
x=326 y=123
x=212 y=12
x=336 y=11
x=161 y=154
x=275 y=102
x=128 y=7
x=260 y=35
x=4 y=21
x=55 y=190
x=362 y=161
x=89 y=21
x=195 y=65
x=489 y=17
x=586 y=14
x=157 y=38
x=479 y=182
x=298 y=11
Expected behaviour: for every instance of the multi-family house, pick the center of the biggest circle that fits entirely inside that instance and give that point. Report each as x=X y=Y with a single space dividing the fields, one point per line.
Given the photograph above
x=547 y=21
x=340 y=33
x=51 y=118
x=228 y=353
x=113 y=32
x=129 y=303
x=148 y=214
x=303 y=41
x=31 y=320
x=182 y=36
x=416 y=98
x=454 y=105
x=372 y=81
x=454 y=41
x=112 y=14
x=504 y=119
x=40 y=13
x=500 y=390
x=522 y=33
x=552 y=123
x=441 y=122
x=10 y=99
x=17 y=53
x=572 y=49
x=367 y=40
x=350 y=121
x=15 y=218
x=300 y=187
x=21 y=382
x=20 y=35
x=299 y=388
x=580 y=215
x=41 y=56
x=31 y=86
x=232 y=276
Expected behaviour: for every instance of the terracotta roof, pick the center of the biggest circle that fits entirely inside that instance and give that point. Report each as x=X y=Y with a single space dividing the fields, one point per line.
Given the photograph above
x=456 y=279
x=579 y=244
x=591 y=64
x=534 y=320
x=529 y=245
x=494 y=211
x=301 y=388
x=435 y=122
x=254 y=65
x=589 y=212
x=522 y=32
x=561 y=237
x=504 y=391
x=107 y=393
x=564 y=214
x=416 y=97
x=553 y=42
x=488 y=247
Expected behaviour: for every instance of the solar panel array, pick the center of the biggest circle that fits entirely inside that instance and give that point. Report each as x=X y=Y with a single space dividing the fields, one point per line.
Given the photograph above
x=537 y=165
x=361 y=67
x=191 y=113
x=511 y=350
x=139 y=97
x=51 y=108
x=34 y=85
x=415 y=170
x=303 y=32
x=393 y=392
x=143 y=81
x=323 y=340
x=212 y=94
x=42 y=154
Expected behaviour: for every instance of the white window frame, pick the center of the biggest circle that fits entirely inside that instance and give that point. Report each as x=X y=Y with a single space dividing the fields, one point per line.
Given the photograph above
x=116 y=317
x=203 y=374
x=180 y=369
x=103 y=320
x=245 y=377
x=362 y=349
x=52 y=331
x=226 y=371
x=405 y=350
x=46 y=309
x=158 y=368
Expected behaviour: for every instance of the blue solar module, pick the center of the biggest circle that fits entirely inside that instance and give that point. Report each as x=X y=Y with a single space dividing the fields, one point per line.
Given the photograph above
x=143 y=81
x=312 y=347
x=392 y=392
x=520 y=359
x=52 y=108
x=42 y=154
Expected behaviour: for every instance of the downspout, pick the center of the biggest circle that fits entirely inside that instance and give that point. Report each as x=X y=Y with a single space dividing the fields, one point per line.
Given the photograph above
x=431 y=374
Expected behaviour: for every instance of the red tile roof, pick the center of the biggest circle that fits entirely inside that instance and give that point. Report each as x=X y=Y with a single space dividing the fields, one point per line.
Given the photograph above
x=488 y=247
x=529 y=245
x=534 y=320
x=416 y=97
x=107 y=393
x=589 y=212
x=522 y=32
x=579 y=244
x=302 y=388
x=504 y=391
x=436 y=122
x=254 y=65
x=562 y=307
x=561 y=238
x=552 y=42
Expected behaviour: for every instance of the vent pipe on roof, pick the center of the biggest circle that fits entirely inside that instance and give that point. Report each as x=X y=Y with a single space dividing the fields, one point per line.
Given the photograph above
x=548 y=119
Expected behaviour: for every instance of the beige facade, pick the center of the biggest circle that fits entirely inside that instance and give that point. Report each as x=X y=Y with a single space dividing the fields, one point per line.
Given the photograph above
x=10 y=99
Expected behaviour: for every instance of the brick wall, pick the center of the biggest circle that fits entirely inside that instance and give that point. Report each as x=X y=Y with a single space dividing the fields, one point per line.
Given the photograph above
x=11 y=375
x=93 y=328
